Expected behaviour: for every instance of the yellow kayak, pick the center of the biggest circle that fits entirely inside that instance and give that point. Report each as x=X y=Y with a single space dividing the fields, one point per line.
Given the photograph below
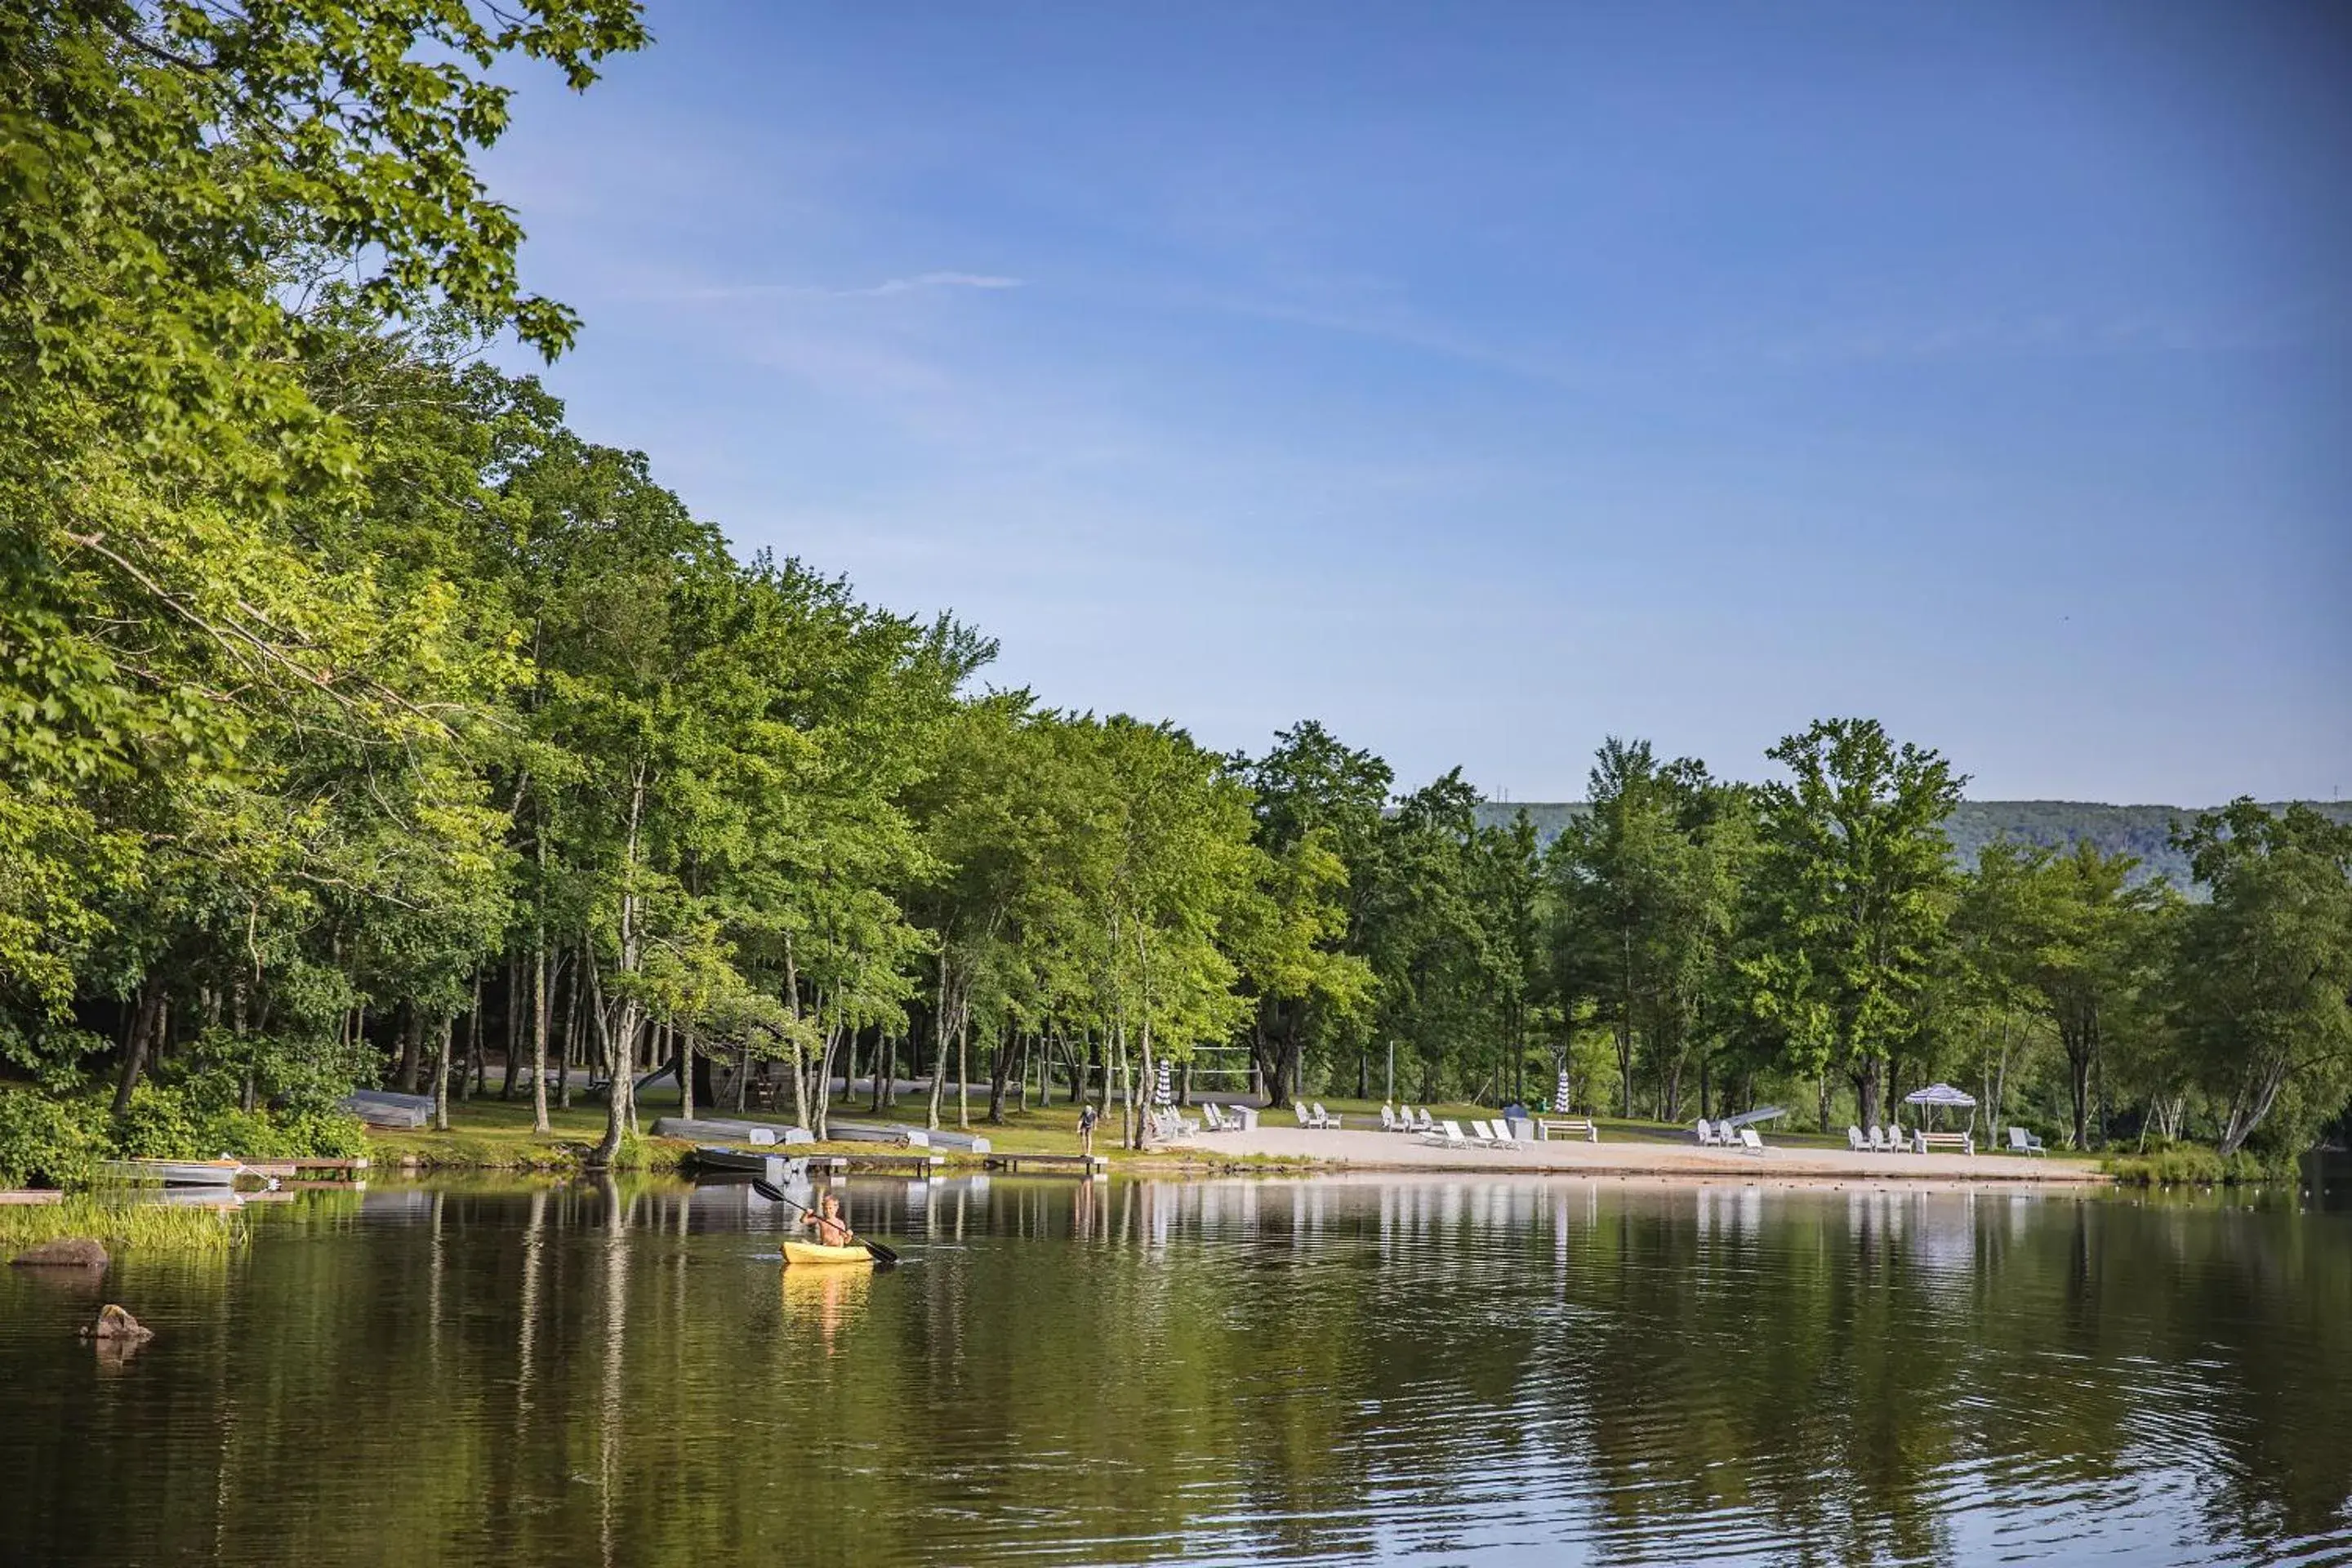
x=809 y=1252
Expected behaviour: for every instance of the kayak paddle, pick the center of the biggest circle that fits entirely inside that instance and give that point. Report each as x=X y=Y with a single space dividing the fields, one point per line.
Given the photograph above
x=775 y=1195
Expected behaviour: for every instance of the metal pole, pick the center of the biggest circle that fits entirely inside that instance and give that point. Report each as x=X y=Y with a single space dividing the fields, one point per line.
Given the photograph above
x=1391 y=1093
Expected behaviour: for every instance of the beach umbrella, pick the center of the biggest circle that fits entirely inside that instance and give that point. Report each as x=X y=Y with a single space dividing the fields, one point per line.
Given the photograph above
x=1937 y=1095
x=1560 y=1092
x=1165 y=1094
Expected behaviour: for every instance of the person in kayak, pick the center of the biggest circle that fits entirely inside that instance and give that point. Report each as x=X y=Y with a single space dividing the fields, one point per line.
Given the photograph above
x=831 y=1229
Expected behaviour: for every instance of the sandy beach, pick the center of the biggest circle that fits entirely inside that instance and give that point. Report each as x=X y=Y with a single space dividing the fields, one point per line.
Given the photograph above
x=1397 y=1151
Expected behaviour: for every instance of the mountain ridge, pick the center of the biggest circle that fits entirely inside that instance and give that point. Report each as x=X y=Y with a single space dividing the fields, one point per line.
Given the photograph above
x=2144 y=832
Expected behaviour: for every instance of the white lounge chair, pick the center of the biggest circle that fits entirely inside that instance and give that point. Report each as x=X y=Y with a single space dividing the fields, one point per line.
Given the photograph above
x=1423 y=1123
x=2021 y=1142
x=1492 y=1134
x=1855 y=1140
x=1387 y=1117
x=1707 y=1137
x=1298 y=1109
x=1324 y=1118
x=1874 y=1140
x=1448 y=1135
x=1748 y=1142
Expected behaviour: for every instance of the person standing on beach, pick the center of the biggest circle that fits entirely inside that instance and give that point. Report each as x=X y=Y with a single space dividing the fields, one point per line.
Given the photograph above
x=1086 y=1128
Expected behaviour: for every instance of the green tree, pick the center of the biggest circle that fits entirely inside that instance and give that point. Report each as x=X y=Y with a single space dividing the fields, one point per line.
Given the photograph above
x=2265 y=977
x=1852 y=873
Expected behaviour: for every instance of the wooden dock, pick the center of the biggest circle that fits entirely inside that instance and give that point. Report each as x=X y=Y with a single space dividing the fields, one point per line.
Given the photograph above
x=887 y=1164
x=308 y=1172
x=1096 y=1167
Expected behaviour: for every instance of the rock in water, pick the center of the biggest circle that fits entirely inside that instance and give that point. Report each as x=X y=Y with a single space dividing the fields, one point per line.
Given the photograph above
x=114 y=1323
x=73 y=1252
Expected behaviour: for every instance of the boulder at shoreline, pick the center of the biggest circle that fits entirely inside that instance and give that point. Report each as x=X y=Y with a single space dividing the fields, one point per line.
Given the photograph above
x=67 y=1252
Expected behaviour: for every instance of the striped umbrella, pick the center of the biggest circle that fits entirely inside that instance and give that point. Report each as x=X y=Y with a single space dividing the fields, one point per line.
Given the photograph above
x=1560 y=1093
x=1166 y=1093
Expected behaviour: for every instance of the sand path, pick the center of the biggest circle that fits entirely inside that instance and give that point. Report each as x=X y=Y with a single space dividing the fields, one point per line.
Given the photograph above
x=1391 y=1151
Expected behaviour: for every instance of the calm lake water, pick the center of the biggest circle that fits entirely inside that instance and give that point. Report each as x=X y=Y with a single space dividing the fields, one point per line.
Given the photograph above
x=1489 y=1370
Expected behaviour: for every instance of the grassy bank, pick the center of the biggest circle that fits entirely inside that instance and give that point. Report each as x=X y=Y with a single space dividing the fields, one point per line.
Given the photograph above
x=493 y=1134
x=122 y=1226
x=2194 y=1166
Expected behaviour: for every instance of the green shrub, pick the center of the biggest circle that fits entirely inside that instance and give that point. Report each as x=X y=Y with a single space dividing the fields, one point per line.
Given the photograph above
x=160 y=1125
x=173 y=1122
x=2195 y=1166
x=52 y=1142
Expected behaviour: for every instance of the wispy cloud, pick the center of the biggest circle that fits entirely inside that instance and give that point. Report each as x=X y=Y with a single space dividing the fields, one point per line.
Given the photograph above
x=921 y=282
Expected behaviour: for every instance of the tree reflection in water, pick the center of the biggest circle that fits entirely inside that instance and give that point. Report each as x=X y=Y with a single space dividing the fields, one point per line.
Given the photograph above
x=1244 y=1370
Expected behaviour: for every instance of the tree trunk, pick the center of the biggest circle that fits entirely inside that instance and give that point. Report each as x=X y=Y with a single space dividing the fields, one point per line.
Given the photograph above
x=475 y=1067
x=621 y=1100
x=942 y=1027
x=1001 y=1063
x=964 y=1066
x=2078 y=1086
x=1865 y=1096
x=538 y=1023
x=515 y=1028
x=686 y=1074
x=441 y=1075
x=412 y=1038
x=134 y=1055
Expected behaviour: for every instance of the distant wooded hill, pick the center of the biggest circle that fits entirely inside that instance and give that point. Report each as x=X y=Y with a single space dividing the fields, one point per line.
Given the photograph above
x=2142 y=831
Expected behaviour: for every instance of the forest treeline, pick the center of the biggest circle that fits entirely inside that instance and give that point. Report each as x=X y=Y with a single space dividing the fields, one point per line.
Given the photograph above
x=2150 y=835
x=365 y=723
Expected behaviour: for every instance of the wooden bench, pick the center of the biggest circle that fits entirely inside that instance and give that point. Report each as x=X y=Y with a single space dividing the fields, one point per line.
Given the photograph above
x=1094 y=1166
x=1923 y=1142
x=1569 y=1127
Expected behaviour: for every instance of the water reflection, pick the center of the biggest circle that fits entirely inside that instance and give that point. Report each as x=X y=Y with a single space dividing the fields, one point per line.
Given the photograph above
x=1334 y=1371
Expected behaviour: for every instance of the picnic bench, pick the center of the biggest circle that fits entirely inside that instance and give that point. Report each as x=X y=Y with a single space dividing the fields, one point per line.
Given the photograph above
x=1925 y=1143
x=1582 y=1127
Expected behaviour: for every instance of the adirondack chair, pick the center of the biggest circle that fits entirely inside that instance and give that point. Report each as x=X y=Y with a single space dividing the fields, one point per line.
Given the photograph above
x=2021 y=1142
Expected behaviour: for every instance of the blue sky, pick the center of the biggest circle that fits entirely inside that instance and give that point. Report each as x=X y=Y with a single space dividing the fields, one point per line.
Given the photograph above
x=1486 y=379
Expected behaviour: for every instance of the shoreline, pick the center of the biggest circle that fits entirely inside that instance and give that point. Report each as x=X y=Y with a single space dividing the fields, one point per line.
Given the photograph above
x=1397 y=1152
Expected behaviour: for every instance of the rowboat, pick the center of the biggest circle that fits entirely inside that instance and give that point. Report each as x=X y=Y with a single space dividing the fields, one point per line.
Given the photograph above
x=175 y=1173
x=809 y=1252
x=714 y=1159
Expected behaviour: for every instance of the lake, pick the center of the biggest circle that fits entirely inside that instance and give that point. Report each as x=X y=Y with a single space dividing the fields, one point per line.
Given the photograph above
x=1482 y=1369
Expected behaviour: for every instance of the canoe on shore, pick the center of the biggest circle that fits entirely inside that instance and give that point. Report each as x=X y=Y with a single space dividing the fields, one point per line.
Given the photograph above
x=809 y=1252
